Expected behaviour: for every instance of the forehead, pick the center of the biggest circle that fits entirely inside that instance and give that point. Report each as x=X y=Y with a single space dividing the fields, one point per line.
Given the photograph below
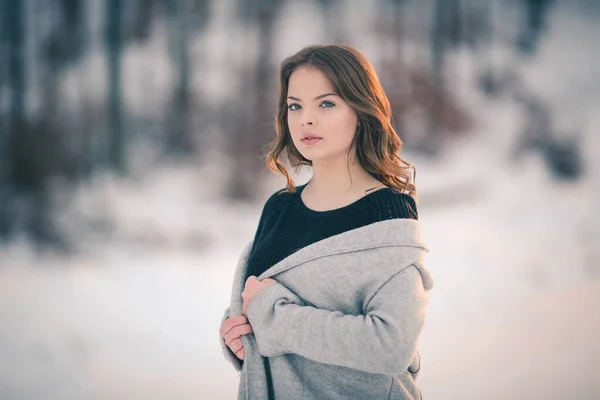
x=309 y=81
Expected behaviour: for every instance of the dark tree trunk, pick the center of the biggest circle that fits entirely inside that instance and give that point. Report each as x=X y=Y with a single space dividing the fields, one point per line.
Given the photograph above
x=438 y=48
x=115 y=107
x=13 y=33
x=178 y=135
x=16 y=58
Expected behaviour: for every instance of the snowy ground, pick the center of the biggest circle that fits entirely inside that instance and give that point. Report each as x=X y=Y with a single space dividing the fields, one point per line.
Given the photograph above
x=516 y=258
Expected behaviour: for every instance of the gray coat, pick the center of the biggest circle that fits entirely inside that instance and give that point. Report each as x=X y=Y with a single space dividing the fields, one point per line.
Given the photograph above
x=343 y=321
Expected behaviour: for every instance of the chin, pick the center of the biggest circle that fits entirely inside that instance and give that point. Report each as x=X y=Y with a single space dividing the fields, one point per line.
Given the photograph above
x=318 y=153
x=319 y=156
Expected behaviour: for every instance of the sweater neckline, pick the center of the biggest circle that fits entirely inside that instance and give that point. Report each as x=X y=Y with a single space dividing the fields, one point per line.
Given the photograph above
x=305 y=209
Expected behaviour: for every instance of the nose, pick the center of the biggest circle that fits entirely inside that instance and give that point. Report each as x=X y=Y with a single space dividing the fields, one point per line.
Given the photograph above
x=306 y=118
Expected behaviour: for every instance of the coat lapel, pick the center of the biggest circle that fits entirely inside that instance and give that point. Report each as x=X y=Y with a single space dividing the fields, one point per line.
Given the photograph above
x=392 y=232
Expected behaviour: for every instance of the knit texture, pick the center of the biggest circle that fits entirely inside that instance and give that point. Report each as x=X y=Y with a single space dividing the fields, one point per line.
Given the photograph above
x=287 y=224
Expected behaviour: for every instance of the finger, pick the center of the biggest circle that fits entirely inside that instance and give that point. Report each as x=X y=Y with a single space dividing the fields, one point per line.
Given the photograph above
x=241 y=354
x=252 y=280
x=236 y=345
x=237 y=332
x=269 y=281
x=232 y=322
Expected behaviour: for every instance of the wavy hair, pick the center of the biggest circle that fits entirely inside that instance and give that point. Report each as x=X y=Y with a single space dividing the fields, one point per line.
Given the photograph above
x=354 y=79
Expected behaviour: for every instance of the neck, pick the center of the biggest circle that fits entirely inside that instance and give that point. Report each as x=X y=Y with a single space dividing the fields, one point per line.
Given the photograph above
x=340 y=176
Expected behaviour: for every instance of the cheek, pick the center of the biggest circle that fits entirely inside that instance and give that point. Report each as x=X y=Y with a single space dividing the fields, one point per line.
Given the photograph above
x=293 y=124
x=292 y=118
x=343 y=124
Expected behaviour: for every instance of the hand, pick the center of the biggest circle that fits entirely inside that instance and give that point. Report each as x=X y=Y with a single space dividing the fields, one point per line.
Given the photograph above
x=231 y=330
x=252 y=288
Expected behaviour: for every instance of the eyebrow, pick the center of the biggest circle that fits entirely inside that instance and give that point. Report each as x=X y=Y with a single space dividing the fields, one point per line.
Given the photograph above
x=316 y=98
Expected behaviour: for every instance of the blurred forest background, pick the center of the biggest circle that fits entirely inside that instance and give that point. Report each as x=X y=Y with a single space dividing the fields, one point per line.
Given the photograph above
x=118 y=85
x=131 y=136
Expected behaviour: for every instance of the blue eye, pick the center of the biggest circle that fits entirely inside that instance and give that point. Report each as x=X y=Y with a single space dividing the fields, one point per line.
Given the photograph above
x=328 y=102
x=292 y=105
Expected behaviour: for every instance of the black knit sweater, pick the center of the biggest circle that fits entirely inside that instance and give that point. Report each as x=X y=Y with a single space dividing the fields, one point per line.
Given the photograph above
x=287 y=225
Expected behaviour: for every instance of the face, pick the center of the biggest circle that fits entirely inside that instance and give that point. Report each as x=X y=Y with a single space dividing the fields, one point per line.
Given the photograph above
x=315 y=109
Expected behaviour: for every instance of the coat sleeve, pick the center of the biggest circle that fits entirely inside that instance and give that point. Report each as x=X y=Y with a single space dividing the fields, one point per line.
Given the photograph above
x=230 y=355
x=383 y=340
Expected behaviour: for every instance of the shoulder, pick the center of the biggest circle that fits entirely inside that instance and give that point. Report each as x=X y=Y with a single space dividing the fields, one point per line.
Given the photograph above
x=272 y=209
x=277 y=201
x=389 y=203
x=277 y=198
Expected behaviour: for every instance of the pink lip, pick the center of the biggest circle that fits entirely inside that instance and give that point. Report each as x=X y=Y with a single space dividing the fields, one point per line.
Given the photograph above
x=310 y=141
x=310 y=135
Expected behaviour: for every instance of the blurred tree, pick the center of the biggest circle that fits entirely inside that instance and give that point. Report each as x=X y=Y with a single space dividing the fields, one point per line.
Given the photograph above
x=481 y=38
x=443 y=33
x=185 y=17
x=251 y=119
x=36 y=140
x=425 y=111
x=333 y=20
x=13 y=78
x=48 y=135
x=14 y=21
x=534 y=23
x=476 y=23
x=138 y=16
x=561 y=151
x=115 y=104
x=392 y=25
x=482 y=35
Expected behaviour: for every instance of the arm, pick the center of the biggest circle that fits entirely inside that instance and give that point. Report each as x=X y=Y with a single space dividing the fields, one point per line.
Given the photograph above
x=383 y=340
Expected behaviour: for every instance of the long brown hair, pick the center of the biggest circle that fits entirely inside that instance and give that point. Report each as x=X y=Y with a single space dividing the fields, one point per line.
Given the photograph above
x=354 y=79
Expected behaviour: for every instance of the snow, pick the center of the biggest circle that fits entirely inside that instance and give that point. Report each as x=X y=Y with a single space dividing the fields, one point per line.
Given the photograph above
x=515 y=256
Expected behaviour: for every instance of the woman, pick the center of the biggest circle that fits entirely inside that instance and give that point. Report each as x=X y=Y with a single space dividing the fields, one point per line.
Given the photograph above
x=330 y=297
